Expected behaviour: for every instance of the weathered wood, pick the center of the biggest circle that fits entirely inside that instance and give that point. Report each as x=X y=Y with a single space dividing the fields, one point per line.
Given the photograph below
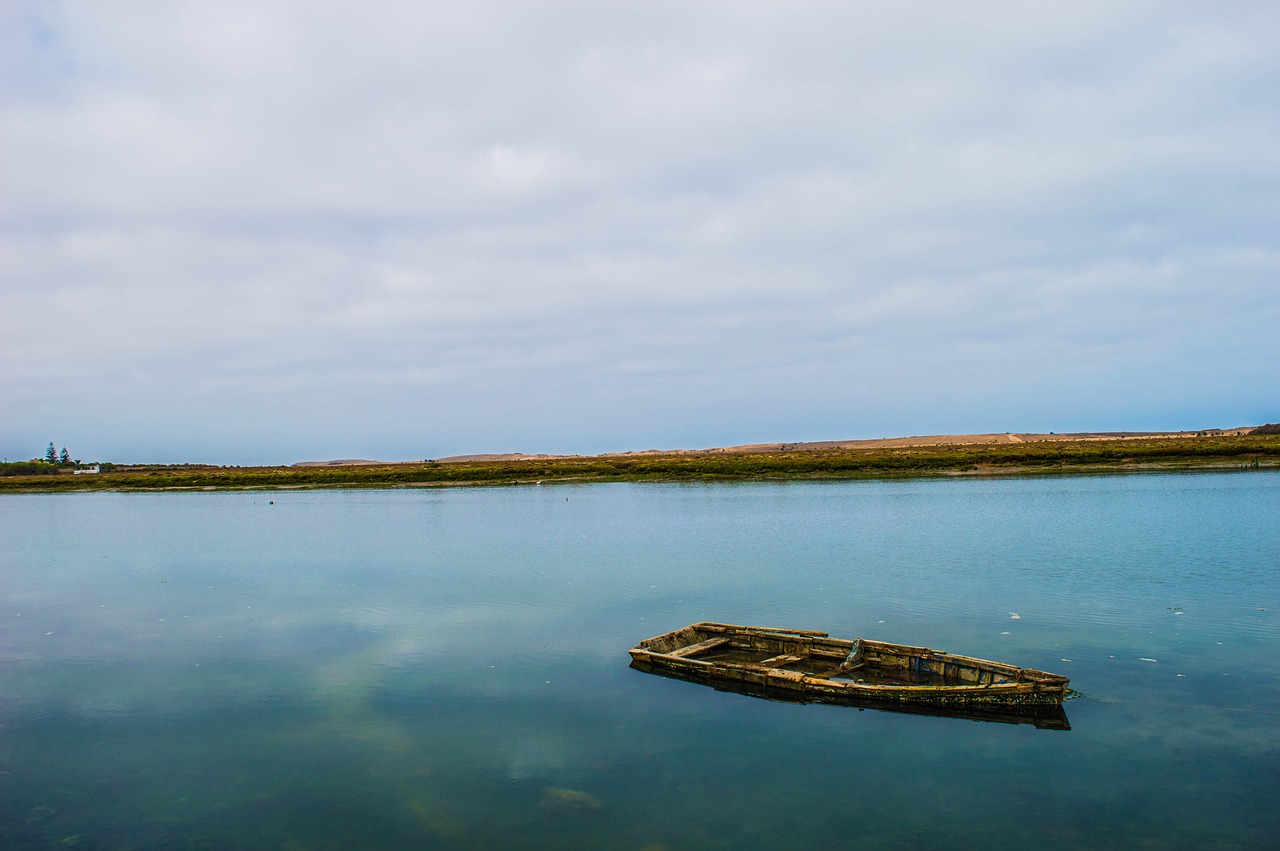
x=812 y=632
x=710 y=626
x=838 y=670
x=700 y=647
x=660 y=658
x=779 y=661
x=837 y=655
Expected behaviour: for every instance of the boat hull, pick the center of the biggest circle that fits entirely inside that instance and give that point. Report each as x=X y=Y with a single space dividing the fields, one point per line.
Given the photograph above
x=809 y=666
x=1044 y=716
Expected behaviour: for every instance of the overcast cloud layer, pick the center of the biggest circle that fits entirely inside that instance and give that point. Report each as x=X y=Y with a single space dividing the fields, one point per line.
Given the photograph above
x=249 y=232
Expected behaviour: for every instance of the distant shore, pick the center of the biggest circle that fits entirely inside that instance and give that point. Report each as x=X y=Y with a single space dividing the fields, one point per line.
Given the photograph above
x=824 y=445
x=892 y=458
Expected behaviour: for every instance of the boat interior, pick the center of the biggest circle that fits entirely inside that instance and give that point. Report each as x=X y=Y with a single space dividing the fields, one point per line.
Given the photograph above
x=817 y=655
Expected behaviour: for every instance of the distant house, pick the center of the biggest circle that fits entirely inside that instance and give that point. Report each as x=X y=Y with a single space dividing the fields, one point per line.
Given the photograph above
x=92 y=469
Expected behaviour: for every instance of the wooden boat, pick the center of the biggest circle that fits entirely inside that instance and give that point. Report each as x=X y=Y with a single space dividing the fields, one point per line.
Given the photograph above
x=808 y=666
x=1043 y=716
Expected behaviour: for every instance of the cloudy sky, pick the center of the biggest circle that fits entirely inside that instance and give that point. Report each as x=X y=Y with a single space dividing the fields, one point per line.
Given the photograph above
x=268 y=231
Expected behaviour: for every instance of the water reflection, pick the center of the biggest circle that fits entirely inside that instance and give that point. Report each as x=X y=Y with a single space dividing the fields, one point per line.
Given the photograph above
x=407 y=669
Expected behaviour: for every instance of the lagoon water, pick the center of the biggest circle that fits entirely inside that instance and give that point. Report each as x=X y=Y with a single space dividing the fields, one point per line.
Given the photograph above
x=448 y=668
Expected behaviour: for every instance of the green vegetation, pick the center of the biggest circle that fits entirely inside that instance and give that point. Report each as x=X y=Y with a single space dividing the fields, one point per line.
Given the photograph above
x=52 y=463
x=1067 y=456
x=34 y=467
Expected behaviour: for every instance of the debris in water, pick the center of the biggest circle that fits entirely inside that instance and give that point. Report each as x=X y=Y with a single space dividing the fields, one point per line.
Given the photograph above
x=436 y=819
x=1014 y=616
x=555 y=798
x=1145 y=659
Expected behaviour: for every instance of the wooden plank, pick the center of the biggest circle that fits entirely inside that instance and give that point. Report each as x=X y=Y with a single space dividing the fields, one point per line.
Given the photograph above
x=813 y=632
x=779 y=661
x=837 y=671
x=899 y=649
x=713 y=626
x=678 y=662
x=694 y=649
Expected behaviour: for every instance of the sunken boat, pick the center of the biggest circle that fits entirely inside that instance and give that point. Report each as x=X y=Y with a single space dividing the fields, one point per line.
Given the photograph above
x=807 y=666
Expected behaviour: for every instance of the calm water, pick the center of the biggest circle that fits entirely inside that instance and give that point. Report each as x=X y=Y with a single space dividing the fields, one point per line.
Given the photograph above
x=448 y=669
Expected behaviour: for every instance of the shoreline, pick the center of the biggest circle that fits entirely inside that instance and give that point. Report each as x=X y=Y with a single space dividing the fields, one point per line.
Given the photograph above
x=1064 y=455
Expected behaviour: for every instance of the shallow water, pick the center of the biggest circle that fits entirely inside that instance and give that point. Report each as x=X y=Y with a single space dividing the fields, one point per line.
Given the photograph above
x=449 y=669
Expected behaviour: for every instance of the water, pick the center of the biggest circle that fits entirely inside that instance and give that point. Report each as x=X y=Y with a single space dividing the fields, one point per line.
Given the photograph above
x=448 y=669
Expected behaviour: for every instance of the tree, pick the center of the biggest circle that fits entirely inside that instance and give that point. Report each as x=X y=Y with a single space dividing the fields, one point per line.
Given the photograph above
x=51 y=454
x=63 y=457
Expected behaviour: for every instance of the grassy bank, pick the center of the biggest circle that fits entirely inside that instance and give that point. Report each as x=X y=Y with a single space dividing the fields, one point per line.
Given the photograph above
x=1129 y=455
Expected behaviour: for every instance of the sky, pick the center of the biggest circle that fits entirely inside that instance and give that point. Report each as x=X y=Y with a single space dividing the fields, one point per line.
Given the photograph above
x=266 y=232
